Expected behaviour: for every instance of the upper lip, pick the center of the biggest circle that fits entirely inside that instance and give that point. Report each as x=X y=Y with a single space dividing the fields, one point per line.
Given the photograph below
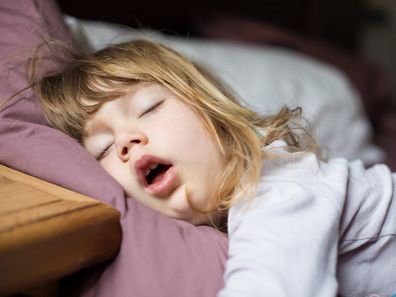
x=145 y=162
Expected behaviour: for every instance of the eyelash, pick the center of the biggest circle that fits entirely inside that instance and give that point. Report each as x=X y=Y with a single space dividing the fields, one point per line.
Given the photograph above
x=149 y=110
x=152 y=108
x=103 y=152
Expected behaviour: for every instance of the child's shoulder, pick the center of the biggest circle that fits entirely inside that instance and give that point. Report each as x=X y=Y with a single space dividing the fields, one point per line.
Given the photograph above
x=292 y=181
x=282 y=163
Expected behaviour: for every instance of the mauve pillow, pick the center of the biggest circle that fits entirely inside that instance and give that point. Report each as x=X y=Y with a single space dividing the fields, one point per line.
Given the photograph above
x=159 y=256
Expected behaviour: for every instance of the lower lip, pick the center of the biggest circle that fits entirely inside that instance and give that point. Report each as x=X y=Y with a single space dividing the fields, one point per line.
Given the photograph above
x=163 y=186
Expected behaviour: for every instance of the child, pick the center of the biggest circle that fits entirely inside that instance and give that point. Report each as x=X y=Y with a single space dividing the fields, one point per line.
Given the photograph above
x=178 y=141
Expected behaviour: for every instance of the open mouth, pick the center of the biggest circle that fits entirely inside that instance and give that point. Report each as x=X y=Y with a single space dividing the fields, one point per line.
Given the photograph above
x=157 y=176
x=155 y=173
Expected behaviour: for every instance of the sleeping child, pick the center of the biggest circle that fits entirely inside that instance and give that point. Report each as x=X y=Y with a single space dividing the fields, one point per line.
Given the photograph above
x=177 y=140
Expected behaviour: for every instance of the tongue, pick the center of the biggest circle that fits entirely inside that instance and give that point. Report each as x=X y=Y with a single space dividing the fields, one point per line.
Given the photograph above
x=158 y=176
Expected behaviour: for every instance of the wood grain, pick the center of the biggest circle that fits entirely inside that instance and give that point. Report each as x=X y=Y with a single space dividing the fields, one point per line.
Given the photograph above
x=47 y=232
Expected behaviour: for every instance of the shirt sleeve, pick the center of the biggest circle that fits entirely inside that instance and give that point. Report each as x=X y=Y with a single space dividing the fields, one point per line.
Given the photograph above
x=285 y=243
x=367 y=245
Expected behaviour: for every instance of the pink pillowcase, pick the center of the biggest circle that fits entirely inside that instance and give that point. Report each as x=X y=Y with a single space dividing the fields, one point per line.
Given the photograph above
x=159 y=256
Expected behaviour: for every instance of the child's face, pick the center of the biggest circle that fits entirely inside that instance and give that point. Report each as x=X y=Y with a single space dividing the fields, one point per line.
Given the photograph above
x=147 y=128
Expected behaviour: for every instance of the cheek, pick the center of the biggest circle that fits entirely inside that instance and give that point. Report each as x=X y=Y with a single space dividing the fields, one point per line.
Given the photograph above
x=120 y=173
x=109 y=164
x=181 y=126
x=194 y=142
x=205 y=162
x=191 y=136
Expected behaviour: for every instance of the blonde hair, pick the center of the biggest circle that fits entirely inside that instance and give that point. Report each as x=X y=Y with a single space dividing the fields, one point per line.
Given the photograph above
x=106 y=74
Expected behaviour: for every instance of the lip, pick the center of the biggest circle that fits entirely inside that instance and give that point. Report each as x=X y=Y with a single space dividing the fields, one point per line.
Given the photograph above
x=162 y=187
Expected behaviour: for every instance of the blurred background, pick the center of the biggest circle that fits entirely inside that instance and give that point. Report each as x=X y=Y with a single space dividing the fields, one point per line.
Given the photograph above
x=377 y=36
x=362 y=27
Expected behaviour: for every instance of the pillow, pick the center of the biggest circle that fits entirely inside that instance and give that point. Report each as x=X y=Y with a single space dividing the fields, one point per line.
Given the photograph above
x=159 y=256
x=267 y=78
x=372 y=83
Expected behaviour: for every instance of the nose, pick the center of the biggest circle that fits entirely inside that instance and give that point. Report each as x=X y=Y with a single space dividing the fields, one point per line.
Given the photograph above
x=126 y=141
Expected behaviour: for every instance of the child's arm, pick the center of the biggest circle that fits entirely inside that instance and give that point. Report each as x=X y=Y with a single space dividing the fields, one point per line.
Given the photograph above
x=367 y=244
x=286 y=244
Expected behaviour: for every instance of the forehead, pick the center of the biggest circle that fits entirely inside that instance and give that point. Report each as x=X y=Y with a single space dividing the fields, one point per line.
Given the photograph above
x=133 y=94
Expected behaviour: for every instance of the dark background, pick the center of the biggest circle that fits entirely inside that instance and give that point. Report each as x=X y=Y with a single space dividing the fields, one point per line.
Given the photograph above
x=336 y=21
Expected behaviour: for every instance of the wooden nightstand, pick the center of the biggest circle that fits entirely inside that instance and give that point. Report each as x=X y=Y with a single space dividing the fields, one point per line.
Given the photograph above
x=47 y=232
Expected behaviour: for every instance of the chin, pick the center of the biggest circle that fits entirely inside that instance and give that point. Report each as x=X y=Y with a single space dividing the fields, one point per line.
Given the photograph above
x=200 y=220
x=190 y=216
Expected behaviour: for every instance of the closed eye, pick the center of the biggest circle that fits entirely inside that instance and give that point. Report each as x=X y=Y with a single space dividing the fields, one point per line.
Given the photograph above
x=103 y=153
x=152 y=108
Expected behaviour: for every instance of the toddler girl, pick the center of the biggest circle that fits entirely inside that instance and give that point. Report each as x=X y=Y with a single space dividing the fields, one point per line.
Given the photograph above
x=178 y=141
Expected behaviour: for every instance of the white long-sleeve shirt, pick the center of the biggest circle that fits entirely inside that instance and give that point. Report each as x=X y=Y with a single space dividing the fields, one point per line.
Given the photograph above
x=314 y=229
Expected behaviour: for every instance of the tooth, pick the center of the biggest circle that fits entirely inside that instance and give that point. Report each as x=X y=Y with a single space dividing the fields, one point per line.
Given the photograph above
x=147 y=171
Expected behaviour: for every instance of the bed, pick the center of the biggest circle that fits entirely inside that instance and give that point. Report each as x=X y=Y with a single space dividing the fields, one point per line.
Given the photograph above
x=159 y=256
